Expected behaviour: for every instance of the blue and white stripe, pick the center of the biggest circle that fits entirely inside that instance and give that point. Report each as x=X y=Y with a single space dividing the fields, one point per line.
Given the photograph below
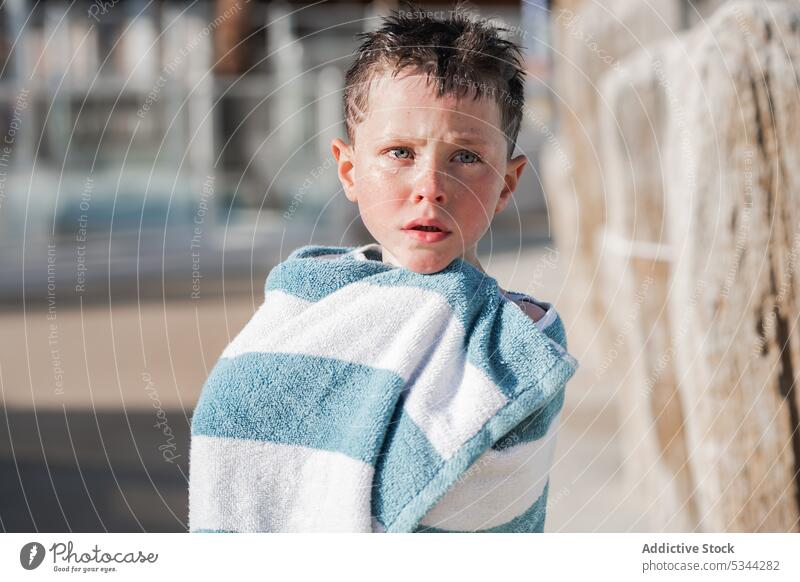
x=365 y=397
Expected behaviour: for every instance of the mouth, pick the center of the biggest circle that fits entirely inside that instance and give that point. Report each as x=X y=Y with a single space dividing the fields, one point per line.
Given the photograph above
x=426 y=230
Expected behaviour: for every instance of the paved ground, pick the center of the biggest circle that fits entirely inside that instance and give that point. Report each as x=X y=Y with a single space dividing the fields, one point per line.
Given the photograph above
x=98 y=375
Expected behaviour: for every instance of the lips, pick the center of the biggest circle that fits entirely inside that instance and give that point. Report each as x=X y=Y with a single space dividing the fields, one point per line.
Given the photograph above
x=426 y=224
x=426 y=230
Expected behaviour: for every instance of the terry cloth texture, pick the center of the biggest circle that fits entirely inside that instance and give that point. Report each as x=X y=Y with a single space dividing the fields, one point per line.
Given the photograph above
x=364 y=397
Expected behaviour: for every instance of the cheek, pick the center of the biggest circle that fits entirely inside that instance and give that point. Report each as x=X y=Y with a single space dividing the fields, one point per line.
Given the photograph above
x=380 y=190
x=476 y=223
x=477 y=202
x=484 y=183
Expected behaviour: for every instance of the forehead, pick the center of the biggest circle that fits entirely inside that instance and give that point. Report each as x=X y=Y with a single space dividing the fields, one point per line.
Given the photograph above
x=409 y=104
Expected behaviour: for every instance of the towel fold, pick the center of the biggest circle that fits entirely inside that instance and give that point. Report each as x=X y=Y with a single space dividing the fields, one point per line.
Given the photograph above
x=365 y=397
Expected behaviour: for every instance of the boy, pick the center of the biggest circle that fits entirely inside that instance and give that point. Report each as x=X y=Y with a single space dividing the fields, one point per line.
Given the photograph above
x=432 y=112
x=395 y=386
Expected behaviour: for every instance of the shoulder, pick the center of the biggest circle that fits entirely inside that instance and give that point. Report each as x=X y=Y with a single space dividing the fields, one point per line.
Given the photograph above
x=531 y=310
x=534 y=309
x=544 y=317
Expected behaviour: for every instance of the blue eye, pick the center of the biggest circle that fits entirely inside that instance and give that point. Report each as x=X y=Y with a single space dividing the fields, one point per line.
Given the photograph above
x=472 y=158
x=406 y=150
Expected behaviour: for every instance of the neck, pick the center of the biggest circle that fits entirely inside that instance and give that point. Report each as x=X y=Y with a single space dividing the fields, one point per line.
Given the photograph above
x=472 y=258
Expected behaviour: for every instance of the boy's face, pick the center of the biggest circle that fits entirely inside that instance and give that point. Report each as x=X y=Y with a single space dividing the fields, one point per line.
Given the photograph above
x=419 y=157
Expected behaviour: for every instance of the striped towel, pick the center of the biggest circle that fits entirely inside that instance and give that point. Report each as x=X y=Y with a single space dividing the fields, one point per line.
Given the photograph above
x=364 y=397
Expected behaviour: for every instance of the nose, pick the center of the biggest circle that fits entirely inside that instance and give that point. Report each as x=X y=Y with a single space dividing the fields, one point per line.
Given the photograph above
x=430 y=185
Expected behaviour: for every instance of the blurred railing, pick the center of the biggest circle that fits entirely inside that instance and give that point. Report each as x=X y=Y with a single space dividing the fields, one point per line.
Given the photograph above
x=131 y=152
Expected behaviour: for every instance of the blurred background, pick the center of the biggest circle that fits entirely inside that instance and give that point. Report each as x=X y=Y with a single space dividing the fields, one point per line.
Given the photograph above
x=164 y=157
x=158 y=158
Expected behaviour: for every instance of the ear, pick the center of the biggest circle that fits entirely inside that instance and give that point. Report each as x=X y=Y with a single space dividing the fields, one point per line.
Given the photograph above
x=344 y=158
x=514 y=169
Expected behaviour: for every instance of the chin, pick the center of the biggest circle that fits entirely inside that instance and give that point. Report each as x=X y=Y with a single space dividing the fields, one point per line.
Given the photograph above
x=427 y=266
